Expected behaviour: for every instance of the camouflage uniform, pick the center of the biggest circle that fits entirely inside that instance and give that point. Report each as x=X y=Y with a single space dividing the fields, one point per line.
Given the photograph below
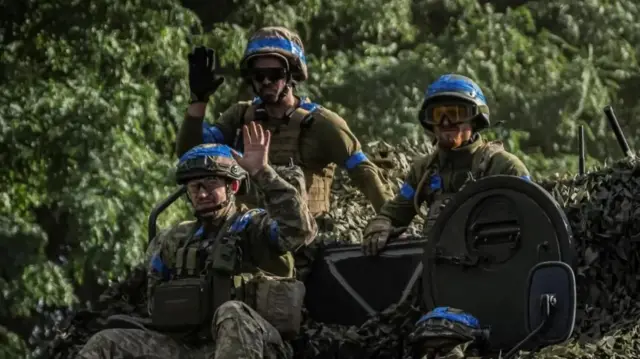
x=264 y=238
x=438 y=176
x=314 y=137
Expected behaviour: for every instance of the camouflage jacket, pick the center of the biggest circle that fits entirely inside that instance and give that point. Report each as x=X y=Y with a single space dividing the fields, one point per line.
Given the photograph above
x=324 y=142
x=447 y=172
x=267 y=237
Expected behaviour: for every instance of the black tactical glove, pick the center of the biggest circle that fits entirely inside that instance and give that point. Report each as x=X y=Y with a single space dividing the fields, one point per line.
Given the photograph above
x=203 y=81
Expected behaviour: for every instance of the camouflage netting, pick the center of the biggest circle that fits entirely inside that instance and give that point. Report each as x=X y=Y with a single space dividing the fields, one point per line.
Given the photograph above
x=604 y=214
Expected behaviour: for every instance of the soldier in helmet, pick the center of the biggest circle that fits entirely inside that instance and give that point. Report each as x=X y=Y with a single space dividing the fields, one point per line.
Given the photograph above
x=454 y=111
x=200 y=271
x=306 y=133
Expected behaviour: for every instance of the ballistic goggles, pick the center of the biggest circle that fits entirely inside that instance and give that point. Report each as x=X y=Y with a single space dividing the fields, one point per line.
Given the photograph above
x=450 y=113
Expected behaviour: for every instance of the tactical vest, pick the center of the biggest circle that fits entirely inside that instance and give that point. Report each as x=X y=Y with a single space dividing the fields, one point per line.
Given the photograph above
x=436 y=196
x=203 y=278
x=211 y=271
x=285 y=148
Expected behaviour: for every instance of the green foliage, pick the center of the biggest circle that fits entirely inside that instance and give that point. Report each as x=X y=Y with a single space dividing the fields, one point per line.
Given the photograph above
x=87 y=146
x=92 y=94
x=545 y=67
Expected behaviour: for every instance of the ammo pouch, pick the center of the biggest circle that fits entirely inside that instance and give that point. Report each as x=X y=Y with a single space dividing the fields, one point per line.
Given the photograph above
x=203 y=282
x=278 y=300
x=182 y=304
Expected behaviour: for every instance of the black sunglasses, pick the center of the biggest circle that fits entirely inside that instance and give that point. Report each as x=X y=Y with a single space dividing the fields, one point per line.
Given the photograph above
x=273 y=74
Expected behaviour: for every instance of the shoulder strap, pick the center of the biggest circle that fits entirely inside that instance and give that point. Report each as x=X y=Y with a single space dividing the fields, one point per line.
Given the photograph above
x=248 y=116
x=483 y=157
x=431 y=169
x=222 y=282
x=304 y=113
x=249 y=112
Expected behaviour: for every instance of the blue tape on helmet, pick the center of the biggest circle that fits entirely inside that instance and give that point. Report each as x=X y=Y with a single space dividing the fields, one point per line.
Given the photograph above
x=407 y=191
x=355 y=159
x=449 y=83
x=444 y=313
x=211 y=134
x=279 y=43
x=208 y=151
x=436 y=182
x=526 y=178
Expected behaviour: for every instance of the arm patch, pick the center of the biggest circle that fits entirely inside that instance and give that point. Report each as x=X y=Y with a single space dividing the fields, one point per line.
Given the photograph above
x=241 y=222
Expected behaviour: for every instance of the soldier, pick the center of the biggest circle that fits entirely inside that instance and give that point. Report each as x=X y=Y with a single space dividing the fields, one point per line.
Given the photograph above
x=306 y=133
x=201 y=270
x=313 y=137
x=455 y=111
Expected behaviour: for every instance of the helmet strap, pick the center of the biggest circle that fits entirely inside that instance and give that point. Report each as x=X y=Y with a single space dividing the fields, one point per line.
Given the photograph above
x=474 y=137
x=288 y=86
x=285 y=91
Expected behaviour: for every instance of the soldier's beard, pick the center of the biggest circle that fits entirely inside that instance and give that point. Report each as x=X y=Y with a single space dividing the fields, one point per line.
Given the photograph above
x=450 y=139
x=270 y=95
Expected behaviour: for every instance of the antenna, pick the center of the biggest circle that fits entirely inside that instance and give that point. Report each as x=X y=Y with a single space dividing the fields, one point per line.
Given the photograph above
x=615 y=126
x=581 y=155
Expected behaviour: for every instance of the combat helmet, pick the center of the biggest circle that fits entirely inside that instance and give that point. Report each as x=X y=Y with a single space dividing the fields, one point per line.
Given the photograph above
x=454 y=88
x=280 y=42
x=211 y=159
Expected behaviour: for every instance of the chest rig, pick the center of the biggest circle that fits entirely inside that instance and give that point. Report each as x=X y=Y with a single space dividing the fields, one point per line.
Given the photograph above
x=287 y=140
x=202 y=278
x=439 y=189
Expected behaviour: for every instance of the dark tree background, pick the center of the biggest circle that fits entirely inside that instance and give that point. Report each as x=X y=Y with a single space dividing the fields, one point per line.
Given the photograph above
x=92 y=94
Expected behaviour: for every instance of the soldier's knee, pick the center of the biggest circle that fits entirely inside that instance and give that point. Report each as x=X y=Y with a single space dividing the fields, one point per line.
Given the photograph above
x=102 y=341
x=106 y=335
x=232 y=308
x=235 y=312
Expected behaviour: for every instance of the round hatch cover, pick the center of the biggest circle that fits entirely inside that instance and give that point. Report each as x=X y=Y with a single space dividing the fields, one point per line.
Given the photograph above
x=485 y=242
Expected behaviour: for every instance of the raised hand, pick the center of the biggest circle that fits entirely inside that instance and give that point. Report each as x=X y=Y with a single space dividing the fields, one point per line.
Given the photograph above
x=203 y=81
x=256 y=148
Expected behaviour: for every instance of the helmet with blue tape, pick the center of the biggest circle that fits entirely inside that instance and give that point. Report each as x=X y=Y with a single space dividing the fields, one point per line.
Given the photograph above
x=280 y=42
x=459 y=91
x=211 y=159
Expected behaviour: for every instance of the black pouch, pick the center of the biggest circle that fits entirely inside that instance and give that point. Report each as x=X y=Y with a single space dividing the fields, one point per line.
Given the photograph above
x=224 y=258
x=182 y=304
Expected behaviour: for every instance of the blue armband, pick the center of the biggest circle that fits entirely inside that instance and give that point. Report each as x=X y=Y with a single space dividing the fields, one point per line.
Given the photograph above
x=355 y=159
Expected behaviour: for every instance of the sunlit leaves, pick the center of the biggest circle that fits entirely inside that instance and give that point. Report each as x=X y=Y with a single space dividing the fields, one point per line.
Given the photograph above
x=92 y=94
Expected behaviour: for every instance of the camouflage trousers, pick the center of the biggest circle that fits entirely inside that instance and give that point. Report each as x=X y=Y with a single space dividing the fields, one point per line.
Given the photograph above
x=239 y=332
